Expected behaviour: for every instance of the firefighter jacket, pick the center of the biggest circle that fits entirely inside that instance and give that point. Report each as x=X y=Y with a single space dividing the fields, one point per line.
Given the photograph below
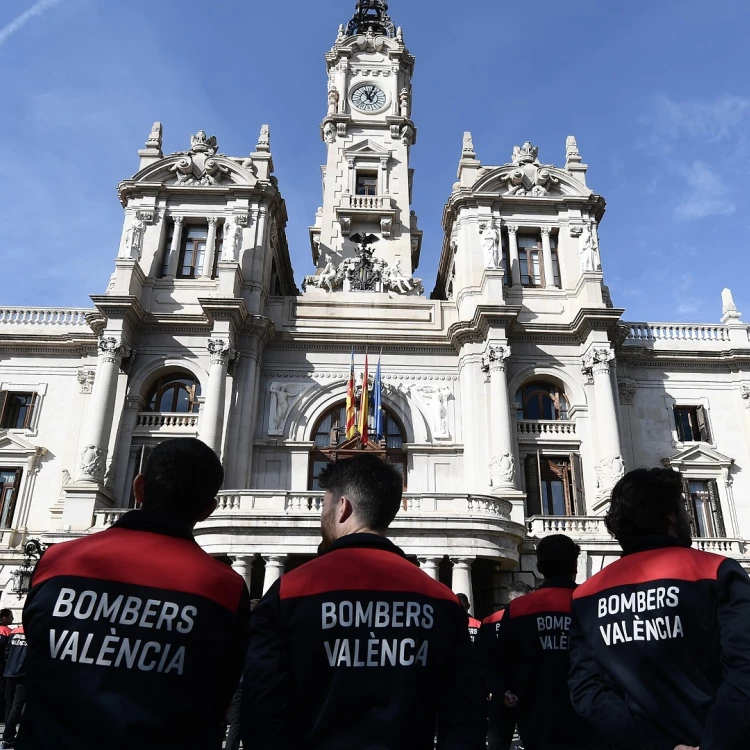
x=361 y=649
x=474 y=626
x=660 y=649
x=533 y=664
x=5 y=632
x=487 y=647
x=15 y=655
x=136 y=639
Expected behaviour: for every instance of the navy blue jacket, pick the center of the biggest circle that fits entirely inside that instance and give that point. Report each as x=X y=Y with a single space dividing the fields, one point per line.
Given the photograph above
x=15 y=655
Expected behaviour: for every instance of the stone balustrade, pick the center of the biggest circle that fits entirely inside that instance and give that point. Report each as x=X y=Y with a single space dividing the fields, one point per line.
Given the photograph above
x=726 y=547
x=43 y=316
x=367 y=202
x=544 y=428
x=539 y=526
x=168 y=422
x=697 y=333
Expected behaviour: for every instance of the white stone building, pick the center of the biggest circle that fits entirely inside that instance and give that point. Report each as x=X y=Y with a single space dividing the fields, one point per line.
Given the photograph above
x=515 y=396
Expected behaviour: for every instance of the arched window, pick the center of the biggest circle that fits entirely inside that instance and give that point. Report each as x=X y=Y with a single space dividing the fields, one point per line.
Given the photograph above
x=177 y=392
x=331 y=444
x=541 y=401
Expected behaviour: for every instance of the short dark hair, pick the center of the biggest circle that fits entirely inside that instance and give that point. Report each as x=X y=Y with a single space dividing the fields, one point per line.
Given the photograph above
x=642 y=502
x=182 y=477
x=5 y=613
x=557 y=555
x=464 y=601
x=519 y=587
x=374 y=487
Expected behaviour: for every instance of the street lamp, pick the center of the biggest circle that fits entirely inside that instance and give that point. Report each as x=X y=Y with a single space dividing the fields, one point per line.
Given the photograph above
x=22 y=576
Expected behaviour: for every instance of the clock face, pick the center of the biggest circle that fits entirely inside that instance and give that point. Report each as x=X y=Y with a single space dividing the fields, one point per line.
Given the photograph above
x=369 y=98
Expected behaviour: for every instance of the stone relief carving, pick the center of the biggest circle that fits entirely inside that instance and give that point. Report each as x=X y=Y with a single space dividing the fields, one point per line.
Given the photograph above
x=329 y=133
x=434 y=403
x=403 y=99
x=526 y=154
x=231 y=246
x=282 y=399
x=112 y=350
x=133 y=243
x=491 y=245
x=728 y=308
x=220 y=352
x=626 y=389
x=495 y=358
x=86 y=380
x=609 y=472
x=528 y=177
x=502 y=470
x=596 y=360
x=197 y=166
x=407 y=135
x=91 y=462
x=588 y=252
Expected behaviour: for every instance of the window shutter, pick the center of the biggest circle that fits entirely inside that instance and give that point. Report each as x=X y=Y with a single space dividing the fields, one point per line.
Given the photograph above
x=533 y=488
x=218 y=242
x=689 y=506
x=30 y=412
x=3 y=399
x=579 y=496
x=716 y=513
x=705 y=436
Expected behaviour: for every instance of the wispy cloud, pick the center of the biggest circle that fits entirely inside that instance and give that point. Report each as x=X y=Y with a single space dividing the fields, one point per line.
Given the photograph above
x=706 y=194
x=18 y=23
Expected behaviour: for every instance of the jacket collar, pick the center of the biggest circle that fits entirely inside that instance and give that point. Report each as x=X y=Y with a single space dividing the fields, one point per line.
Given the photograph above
x=652 y=542
x=156 y=522
x=558 y=583
x=368 y=541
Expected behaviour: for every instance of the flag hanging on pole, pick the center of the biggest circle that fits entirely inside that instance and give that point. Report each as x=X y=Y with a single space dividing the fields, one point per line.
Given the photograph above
x=377 y=402
x=351 y=425
x=364 y=408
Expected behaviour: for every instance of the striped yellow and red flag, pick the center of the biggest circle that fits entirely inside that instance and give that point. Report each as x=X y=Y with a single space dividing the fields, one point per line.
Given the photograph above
x=364 y=408
x=351 y=426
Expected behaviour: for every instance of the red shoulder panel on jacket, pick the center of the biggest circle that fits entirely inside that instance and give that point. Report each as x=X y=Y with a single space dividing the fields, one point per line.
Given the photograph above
x=141 y=558
x=667 y=563
x=492 y=619
x=543 y=600
x=5 y=630
x=358 y=569
x=474 y=623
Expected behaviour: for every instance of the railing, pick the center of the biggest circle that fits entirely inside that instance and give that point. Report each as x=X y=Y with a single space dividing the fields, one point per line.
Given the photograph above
x=574 y=525
x=696 y=332
x=104 y=518
x=545 y=428
x=45 y=316
x=728 y=547
x=369 y=201
x=167 y=421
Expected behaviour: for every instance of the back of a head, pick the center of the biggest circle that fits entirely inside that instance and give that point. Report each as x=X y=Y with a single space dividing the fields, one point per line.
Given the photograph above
x=182 y=477
x=373 y=487
x=517 y=589
x=557 y=556
x=464 y=601
x=641 y=504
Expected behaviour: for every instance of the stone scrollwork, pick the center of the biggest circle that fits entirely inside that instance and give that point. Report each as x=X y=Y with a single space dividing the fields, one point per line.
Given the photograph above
x=502 y=470
x=220 y=352
x=86 y=380
x=495 y=358
x=527 y=175
x=197 y=165
x=596 y=360
x=112 y=350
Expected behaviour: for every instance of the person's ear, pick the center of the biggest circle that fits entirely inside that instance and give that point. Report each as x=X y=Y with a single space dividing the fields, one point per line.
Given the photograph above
x=139 y=487
x=208 y=511
x=346 y=510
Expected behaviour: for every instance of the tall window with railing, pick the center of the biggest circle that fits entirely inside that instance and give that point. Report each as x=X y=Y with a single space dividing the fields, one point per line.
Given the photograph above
x=176 y=393
x=540 y=400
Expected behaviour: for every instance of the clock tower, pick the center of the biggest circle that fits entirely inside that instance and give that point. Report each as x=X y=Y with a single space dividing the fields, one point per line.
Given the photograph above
x=369 y=133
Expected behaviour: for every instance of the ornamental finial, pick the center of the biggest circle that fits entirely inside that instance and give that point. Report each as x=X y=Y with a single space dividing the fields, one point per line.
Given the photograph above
x=371 y=14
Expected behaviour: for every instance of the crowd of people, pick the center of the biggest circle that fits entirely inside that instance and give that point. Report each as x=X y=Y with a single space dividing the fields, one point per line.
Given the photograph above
x=136 y=638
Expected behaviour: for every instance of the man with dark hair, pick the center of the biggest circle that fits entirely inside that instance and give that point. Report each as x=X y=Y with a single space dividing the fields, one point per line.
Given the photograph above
x=532 y=668
x=360 y=648
x=135 y=634
x=473 y=623
x=502 y=720
x=660 y=641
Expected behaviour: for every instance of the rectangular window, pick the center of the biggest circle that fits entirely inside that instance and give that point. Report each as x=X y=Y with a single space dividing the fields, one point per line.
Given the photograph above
x=530 y=260
x=550 y=486
x=16 y=410
x=193 y=251
x=704 y=508
x=10 y=481
x=556 y=269
x=167 y=250
x=367 y=183
x=692 y=424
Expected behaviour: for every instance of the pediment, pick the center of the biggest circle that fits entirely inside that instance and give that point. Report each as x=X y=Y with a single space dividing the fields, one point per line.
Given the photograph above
x=697 y=455
x=532 y=180
x=15 y=447
x=202 y=170
x=367 y=148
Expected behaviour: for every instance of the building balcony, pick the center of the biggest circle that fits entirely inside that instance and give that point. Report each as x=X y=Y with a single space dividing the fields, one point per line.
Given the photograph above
x=150 y=423
x=543 y=429
x=379 y=207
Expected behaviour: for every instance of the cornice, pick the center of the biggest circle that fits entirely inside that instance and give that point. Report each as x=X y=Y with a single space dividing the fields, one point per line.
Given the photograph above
x=485 y=316
x=120 y=306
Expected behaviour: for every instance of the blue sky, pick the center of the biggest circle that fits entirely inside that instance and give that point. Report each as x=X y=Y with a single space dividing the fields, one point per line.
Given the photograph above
x=656 y=92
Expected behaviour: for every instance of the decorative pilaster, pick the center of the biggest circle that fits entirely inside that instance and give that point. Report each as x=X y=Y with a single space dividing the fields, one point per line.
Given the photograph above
x=212 y=417
x=503 y=464
x=243 y=566
x=611 y=466
x=274 y=570
x=515 y=267
x=208 y=261
x=549 y=270
x=93 y=458
x=174 y=248
x=461 y=583
x=430 y=565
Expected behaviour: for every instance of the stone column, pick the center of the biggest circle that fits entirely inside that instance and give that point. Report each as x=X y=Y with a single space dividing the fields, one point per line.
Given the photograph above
x=94 y=455
x=430 y=565
x=461 y=583
x=549 y=271
x=243 y=566
x=212 y=416
x=174 y=249
x=611 y=466
x=515 y=266
x=208 y=258
x=502 y=463
x=274 y=570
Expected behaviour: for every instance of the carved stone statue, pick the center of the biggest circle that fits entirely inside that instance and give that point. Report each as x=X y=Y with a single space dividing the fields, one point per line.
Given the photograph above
x=91 y=462
x=397 y=280
x=328 y=276
x=281 y=395
x=228 y=243
x=403 y=99
x=491 y=245
x=407 y=135
x=586 y=253
x=609 y=472
x=435 y=401
x=502 y=470
x=333 y=101
x=728 y=308
x=133 y=243
x=329 y=133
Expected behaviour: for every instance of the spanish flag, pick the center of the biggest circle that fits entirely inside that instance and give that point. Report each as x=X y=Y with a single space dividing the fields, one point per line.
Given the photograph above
x=351 y=427
x=364 y=408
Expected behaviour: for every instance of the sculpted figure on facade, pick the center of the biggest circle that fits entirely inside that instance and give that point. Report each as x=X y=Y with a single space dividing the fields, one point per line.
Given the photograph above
x=407 y=135
x=333 y=101
x=133 y=242
x=503 y=470
x=86 y=380
x=329 y=133
x=609 y=472
x=491 y=245
x=434 y=402
x=91 y=463
x=586 y=253
x=396 y=279
x=282 y=397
